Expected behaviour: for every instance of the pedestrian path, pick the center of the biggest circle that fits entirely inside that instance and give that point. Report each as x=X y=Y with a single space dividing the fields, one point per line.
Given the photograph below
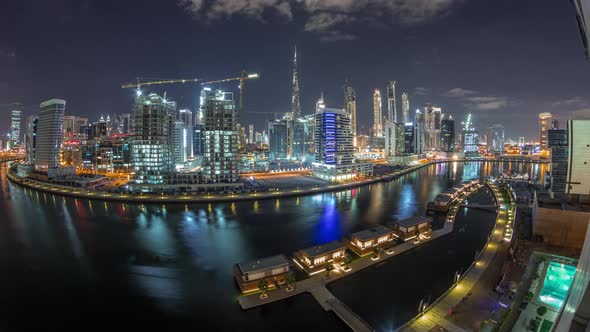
x=434 y=316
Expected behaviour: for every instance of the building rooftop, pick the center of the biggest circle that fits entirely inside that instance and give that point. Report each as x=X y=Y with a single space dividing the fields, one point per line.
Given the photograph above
x=263 y=264
x=371 y=233
x=322 y=249
x=413 y=221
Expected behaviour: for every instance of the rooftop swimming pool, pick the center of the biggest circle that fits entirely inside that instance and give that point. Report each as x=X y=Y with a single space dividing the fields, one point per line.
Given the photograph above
x=557 y=283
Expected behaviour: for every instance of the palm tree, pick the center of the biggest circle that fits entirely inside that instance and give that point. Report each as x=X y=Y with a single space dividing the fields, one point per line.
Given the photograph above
x=290 y=280
x=329 y=268
x=263 y=286
x=377 y=251
x=347 y=261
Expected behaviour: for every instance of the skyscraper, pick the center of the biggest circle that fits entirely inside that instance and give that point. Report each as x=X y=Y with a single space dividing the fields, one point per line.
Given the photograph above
x=68 y=127
x=419 y=127
x=278 y=139
x=391 y=103
x=447 y=133
x=557 y=141
x=578 y=169
x=15 y=122
x=186 y=116
x=181 y=143
x=377 y=114
x=153 y=143
x=409 y=138
x=469 y=138
x=49 y=134
x=334 y=150
x=251 y=134
x=495 y=138
x=544 y=124
x=295 y=106
x=350 y=105
x=220 y=159
x=405 y=108
x=31 y=138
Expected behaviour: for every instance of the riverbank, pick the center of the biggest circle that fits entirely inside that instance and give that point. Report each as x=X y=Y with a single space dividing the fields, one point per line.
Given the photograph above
x=212 y=198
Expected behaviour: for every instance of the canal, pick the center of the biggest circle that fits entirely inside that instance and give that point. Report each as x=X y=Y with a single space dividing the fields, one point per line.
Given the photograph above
x=68 y=261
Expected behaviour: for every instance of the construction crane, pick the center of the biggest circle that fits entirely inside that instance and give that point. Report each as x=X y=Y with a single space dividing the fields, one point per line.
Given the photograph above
x=243 y=77
x=146 y=81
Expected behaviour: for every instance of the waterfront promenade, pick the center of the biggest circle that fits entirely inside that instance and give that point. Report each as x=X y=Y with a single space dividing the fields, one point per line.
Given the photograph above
x=211 y=198
x=435 y=316
x=315 y=285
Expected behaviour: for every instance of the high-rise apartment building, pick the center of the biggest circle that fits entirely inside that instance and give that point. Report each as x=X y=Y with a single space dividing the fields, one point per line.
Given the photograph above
x=333 y=145
x=447 y=133
x=419 y=127
x=153 y=143
x=391 y=102
x=405 y=108
x=544 y=125
x=15 y=123
x=220 y=158
x=68 y=127
x=377 y=114
x=186 y=117
x=578 y=170
x=251 y=134
x=495 y=138
x=302 y=131
x=31 y=138
x=432 y=127
x=198 y=139
x=557 y=141
x=350 y=105
x=278 y=139
x=181 y=143
x=49 y=134
x=409 y=138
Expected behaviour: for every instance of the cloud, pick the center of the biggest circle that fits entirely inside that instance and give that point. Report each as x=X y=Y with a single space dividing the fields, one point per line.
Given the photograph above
x=220 y=9
x=422 y=91
x=486 y=103
x=329 y=19
x=458 y=93
x=570 y=101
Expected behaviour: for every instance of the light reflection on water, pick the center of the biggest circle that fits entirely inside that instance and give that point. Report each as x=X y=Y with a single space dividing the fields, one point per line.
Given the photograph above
x=203 y=241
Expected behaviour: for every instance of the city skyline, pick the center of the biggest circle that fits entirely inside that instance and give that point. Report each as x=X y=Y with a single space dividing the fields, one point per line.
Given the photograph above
x=426 y=69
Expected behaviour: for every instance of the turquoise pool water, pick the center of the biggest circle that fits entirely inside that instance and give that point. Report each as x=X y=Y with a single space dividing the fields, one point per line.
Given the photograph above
x=557 y=284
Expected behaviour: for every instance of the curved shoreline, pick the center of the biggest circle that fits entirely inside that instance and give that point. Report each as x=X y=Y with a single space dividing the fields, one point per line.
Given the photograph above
x=178 y=199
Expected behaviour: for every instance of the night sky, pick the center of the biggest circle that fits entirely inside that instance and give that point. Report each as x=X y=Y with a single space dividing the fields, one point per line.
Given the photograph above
x=503 y=60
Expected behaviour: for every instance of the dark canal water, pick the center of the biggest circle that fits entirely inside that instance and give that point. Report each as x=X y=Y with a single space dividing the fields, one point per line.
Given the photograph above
x=75 y=263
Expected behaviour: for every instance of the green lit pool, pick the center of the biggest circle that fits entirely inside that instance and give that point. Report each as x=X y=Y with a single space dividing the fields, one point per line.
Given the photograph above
x=557 y=284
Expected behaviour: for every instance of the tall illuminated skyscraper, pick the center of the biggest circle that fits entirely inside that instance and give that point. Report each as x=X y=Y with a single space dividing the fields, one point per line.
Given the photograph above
x=251 y=134
x=350 y=105
x=377 y=114
x=495 y=138
x=405 y=108
x=49 y=134
x=419 y=127
x=295 y=105
x=186 y=117
x=220 y=159
x=391 y=103
x=544 y=125
x=447 y=133
x=15 y=122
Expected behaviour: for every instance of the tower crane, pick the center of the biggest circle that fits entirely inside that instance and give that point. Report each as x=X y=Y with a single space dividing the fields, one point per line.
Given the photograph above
x=146 y=81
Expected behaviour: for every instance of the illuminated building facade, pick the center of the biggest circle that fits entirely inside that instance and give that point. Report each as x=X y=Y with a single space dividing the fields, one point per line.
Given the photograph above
x=350 y=105
x=495 y=138
x=31 y=138
x=447 y=133
x=544 y=125
x=15 y=123
x=49 y=134
x=391 y=103
x=578 y=170
x=557 y=141
x=405 y=108
x=377 y=114
x=220 y=158
x=153 y=144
